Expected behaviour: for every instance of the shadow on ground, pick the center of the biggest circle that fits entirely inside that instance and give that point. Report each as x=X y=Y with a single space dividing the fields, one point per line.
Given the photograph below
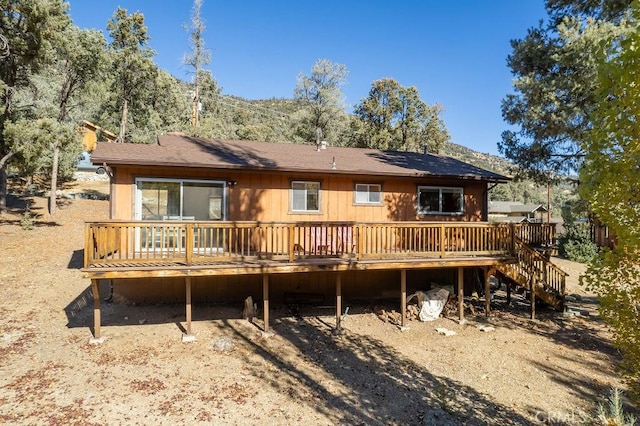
x=367 y=381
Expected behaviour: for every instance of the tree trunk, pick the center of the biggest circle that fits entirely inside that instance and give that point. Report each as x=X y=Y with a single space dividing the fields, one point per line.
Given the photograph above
x=54 y=180
x=3 y=190
x=123 y=120
x=3 y=181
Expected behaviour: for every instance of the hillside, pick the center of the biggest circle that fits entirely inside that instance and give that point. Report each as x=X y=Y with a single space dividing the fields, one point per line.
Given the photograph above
x=491 y=162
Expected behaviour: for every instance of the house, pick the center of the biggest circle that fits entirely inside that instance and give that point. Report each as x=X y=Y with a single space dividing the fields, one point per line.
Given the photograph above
x=516 y=212
x=90 y=131
x=601 y=234
x=210 y=220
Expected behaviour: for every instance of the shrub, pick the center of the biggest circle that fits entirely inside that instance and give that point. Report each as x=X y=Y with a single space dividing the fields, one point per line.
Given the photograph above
x=575 y=243
x=612 y=414
x=27 y=221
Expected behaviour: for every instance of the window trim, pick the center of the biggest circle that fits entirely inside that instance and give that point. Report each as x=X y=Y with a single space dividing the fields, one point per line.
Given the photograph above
x=440 y=190
x=306 y=211
x=368 y=185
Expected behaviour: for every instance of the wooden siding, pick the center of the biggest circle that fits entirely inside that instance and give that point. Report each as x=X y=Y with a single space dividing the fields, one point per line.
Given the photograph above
x=266 y=196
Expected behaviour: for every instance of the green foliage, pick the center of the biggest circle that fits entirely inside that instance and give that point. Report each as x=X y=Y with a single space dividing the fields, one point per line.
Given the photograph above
x=610 y=176
x=612 y=414
x=134 y=73
x=394 y=117
x=614 y=275
x=33 y=142
x=575 y=243
x=320 y=96
x=555 y=69
x=27 y=223
x=30 y=29
x=197 y=57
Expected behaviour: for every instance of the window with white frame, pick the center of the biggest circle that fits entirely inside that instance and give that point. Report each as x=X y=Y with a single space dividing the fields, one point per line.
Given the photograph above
x=440 y=200
x=305 y=196
x=368 y=193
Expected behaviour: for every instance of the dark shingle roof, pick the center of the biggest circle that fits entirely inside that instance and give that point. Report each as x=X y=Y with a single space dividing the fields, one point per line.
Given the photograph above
x=514 y=207
x=184 y=151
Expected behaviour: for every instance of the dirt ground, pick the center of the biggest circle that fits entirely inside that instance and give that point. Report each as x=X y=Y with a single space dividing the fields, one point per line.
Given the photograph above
x=552 y=370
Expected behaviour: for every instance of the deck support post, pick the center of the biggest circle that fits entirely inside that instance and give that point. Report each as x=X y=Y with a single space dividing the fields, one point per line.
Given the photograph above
x=508 y=293
x=265 y=298
x=187 y=281
x=460 y=293
x=95 y=289
x=532 y=299
x=338 y=300
x=488 y=272
x=403 y=296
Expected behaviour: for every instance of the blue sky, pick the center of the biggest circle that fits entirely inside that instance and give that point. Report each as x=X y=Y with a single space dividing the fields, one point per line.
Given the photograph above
x=454 y=52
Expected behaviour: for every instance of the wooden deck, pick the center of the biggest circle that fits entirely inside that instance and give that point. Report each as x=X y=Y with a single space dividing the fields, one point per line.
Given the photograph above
x=117 y=249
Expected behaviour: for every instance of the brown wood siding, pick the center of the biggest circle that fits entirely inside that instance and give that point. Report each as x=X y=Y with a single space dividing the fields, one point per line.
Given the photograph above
x=266 y=196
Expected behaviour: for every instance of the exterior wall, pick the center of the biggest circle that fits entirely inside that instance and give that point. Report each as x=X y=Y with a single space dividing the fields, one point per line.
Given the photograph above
x=266 y=196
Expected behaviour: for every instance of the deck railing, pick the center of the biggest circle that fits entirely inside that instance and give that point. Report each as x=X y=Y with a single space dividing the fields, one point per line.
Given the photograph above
x=536 y=269
x=536 y=234
x=152 y=242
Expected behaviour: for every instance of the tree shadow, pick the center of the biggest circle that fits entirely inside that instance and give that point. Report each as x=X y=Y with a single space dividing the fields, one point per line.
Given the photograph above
x=232 y=153
x=432 y=164
x=366 y=380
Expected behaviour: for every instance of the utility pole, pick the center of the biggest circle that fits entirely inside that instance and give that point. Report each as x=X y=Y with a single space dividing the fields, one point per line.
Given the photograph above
x=549 y=196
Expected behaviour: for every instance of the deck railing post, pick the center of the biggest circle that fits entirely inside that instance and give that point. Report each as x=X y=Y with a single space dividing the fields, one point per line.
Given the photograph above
x=189 y=244
x=360 y=239
x=442 y=240
x=291 y=241
x=88 y=246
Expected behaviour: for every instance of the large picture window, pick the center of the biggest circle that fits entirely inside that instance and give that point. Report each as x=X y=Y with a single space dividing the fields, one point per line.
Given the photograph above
x=440 y=200
x=368 y=193
x=173 y=199
x=305 y=196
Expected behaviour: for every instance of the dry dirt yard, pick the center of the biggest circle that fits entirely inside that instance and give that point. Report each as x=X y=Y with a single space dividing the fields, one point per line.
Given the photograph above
x=552 y=370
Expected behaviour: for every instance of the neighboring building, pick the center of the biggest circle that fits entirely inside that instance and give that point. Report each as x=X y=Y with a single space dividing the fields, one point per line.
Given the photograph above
x=516 y=212
x=90 y=133
x=601 y=235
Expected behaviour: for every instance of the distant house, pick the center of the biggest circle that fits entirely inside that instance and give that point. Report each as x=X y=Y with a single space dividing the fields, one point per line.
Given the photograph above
x=90 y=132
x=227 y=218
x=516 y=212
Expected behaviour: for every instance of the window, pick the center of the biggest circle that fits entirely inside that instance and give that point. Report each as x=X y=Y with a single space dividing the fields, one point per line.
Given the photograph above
x=435 y=200
x=305 y=196
x=174 y=199
x=367 y=193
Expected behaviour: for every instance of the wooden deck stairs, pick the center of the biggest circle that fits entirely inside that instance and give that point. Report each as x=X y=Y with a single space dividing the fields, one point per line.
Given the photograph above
x=533 y=271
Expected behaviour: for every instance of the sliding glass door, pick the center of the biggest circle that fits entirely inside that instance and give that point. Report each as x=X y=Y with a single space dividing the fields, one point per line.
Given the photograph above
x=179 y=200
x=161 y=199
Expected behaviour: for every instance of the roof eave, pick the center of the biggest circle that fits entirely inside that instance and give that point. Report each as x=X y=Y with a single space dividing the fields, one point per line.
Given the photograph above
x=415 y=175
